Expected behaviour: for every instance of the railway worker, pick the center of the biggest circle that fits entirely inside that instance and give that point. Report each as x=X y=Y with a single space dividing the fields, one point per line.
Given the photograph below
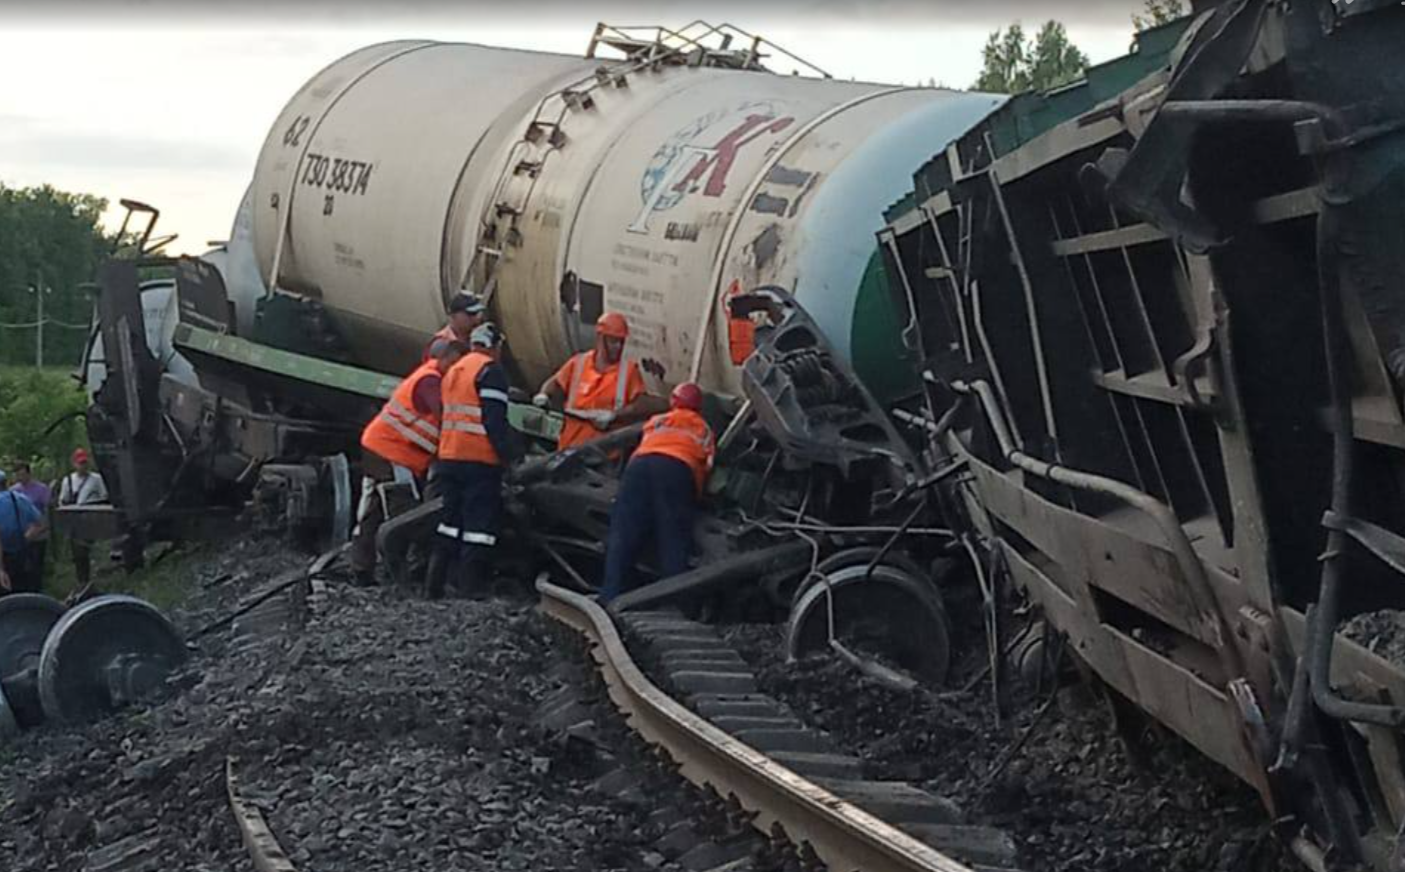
x=659 y=492
x=466 y=312
x=399 y=444
x=20 y=525
x=598 y=390
x=475 y=443
x=82 y=487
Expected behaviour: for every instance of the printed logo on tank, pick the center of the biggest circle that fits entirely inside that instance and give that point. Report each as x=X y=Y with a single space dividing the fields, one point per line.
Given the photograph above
x=699 y=156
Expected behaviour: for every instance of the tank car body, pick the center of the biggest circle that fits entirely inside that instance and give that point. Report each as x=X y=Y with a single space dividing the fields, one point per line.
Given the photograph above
x=562 y=187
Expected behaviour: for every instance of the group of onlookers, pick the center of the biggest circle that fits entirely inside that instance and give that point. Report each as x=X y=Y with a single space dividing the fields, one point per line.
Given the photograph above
x=25 y=522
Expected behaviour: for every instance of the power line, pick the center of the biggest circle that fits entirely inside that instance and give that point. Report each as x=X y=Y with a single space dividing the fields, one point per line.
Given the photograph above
x=47 y=321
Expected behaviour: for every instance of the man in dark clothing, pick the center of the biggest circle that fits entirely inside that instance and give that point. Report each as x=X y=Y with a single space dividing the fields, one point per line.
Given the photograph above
x=20 y=524
x=475 y=445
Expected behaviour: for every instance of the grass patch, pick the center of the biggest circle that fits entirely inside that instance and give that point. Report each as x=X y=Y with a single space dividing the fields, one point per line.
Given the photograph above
x=165 y=581
x=31 y=401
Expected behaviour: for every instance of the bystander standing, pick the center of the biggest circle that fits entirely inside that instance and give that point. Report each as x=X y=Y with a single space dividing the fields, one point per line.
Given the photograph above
x=39 y=494
x=82 y=487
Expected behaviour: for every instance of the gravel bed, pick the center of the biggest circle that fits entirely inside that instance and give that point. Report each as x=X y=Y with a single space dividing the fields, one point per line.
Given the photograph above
x=150 y=780
x=392 y=734
x=405 y=739
x=1382 y=632
x=1072 y=797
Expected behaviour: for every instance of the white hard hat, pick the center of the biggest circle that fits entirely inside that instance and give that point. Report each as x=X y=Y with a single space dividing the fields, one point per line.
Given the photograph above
x=487 y=334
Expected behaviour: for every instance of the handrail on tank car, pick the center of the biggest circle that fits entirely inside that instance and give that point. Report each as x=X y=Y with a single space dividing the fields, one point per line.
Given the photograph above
x=1160 y=513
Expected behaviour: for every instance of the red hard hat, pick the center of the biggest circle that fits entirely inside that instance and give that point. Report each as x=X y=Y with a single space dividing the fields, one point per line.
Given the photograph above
x=612 y=324
x=686 y=396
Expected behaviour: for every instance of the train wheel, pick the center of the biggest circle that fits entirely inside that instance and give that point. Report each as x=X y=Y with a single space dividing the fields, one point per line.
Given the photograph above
x=889 y=612
x=861 y=556
x=103 y=654
x=25 y=621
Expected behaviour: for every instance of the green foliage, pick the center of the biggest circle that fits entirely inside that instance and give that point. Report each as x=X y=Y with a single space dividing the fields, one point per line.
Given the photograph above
x=165 y=580
x=30 y=401
x=51 y=239
x=1015 y=63
x=1158 y=12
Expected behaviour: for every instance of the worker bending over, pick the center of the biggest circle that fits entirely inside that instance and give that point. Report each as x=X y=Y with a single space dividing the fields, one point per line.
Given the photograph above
x=659 y=492
x=598 y=390
x=475 y=443
x=398 y=446
x=466 y=312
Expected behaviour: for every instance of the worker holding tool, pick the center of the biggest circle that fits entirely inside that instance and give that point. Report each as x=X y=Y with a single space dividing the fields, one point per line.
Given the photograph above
x=660 y=491
x=399 y=444
x=466 y=312
x=475 y=444
x=598 y=390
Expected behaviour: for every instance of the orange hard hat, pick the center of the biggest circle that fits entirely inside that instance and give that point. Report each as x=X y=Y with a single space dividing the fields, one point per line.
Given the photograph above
x=612 y=324
x=686 y=396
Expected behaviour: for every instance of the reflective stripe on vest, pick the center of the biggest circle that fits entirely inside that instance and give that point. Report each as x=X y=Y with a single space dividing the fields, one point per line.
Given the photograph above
x=465 y=437
x=682 y=435
x=577 y=370
x=420 y=431
x=656 y=425
x=401 y=435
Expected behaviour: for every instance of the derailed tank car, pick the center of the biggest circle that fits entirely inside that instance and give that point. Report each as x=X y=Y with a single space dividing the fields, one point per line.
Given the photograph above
x=659 y=184
x=563 y=186
x=1165 y=304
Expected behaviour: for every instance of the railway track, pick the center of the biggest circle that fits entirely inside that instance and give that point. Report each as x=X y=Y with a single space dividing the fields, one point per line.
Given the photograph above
x=811 y=797
x=818 y=813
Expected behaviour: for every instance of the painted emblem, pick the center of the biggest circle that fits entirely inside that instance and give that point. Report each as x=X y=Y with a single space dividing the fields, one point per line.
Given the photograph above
x=700 y=156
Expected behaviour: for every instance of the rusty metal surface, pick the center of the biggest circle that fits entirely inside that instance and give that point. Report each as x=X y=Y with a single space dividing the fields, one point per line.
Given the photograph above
x=843 y=836
x=265 y=852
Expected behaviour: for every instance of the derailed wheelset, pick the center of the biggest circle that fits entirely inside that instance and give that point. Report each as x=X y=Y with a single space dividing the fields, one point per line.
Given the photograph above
x=70 y=666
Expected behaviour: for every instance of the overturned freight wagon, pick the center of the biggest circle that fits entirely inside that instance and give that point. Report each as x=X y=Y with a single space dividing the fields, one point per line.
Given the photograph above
x=1165 y=305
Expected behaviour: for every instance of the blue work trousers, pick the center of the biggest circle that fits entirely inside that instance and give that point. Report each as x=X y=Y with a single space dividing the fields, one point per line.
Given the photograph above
x=468 y=522
x=657 y=499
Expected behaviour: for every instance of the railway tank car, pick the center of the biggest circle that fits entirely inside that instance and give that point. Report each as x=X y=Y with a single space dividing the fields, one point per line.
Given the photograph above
x=660 y=182
x=560 y=187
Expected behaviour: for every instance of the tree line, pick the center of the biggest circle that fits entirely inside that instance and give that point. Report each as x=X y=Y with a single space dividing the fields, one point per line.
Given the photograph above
x=1013 y=61
x=51 y=242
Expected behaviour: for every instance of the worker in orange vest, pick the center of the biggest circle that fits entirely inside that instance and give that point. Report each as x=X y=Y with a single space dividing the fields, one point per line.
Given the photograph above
x=659 y=492
x=475 y=444
x=398 y=446
x=466 y=312
x=598 y=390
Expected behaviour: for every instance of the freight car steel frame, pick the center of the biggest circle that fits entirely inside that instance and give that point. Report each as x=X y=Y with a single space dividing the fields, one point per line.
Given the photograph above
x=1164 y=307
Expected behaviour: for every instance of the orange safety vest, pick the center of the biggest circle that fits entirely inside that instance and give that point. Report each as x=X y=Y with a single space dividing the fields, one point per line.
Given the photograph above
x=607 y=390
x=400 y=434
x=445 y=332
x=683 y=435
x=741 y=330
x=465 y=437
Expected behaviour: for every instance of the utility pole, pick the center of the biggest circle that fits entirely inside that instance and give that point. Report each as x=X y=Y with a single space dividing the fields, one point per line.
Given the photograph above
x=38 y=290
x=39 y=336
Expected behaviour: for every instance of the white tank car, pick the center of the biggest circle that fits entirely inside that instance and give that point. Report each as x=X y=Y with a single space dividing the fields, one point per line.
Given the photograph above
x=565 y=186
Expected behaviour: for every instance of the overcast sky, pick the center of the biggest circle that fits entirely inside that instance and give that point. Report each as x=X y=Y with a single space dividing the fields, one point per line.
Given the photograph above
x=169 y=102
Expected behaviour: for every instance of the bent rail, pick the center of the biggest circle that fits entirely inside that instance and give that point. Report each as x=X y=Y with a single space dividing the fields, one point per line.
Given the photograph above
x=844 y=836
